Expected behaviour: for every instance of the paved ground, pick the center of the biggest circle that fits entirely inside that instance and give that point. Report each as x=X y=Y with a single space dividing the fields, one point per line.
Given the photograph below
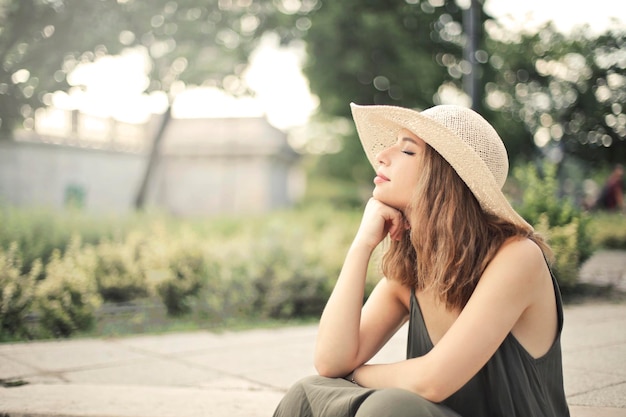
x=244 y=374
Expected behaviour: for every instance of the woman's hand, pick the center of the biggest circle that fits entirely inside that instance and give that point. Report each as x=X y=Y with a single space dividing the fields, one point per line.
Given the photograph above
x=380 y=220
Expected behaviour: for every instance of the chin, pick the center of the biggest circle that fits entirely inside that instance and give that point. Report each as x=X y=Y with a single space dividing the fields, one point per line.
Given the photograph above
x=378 y=195
x=390 y=202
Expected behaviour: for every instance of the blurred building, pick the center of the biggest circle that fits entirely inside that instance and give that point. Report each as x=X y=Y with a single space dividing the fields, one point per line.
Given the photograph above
x=207 y=166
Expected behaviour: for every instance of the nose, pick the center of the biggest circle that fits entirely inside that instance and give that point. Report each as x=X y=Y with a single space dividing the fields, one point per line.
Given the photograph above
x=382 y=157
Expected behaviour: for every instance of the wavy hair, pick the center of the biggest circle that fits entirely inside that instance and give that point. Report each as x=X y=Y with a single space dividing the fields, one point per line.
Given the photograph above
x=451 y=240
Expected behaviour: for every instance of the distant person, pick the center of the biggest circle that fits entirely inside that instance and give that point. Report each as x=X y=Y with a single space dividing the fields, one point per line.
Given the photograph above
x=612 y=194
x=466 y=272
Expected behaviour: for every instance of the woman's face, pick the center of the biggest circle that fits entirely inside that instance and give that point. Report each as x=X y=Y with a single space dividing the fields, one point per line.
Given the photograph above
x=398 y=170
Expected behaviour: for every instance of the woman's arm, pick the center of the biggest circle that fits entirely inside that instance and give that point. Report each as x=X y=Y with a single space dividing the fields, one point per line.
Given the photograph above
x=347 y=336
x=510 y=285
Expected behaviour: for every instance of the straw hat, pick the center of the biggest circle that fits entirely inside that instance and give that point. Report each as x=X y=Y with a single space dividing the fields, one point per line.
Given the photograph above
x=460 y=135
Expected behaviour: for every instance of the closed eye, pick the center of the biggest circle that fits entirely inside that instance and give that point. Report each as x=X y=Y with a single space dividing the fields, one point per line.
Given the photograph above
x=409 y=153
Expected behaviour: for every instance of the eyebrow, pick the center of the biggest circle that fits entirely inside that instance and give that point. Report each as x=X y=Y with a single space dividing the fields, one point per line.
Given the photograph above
x=407 y=139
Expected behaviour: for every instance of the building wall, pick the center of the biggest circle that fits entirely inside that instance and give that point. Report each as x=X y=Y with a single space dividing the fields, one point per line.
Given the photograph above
x=48 y=175
x=224 y=165
x=207 y=166
x=202 y=184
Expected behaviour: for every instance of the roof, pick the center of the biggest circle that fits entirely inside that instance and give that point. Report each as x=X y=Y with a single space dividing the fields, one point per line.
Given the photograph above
x=224 y=136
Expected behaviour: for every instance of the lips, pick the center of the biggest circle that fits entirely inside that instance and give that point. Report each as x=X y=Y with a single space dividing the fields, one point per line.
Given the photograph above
x=380 y=178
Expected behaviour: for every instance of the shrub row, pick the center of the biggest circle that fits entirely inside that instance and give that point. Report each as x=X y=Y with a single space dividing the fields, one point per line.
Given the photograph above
x=278 y=266
x=60 y=268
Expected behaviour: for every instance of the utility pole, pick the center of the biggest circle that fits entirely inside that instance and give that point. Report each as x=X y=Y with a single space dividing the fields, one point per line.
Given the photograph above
x=471 y=22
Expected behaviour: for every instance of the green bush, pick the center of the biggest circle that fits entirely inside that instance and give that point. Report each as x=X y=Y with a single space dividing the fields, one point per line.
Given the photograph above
x=277 y=265
x=17 y=291
x=67 y=298
x=608 y=230
x=39 y=232
x=298 y=292
x=117 y=272
x=300 y=259
x=564 y=243
x=230 y=288
x=564 y=225
x=154 y=253
x=188 y=268
x=281 y=281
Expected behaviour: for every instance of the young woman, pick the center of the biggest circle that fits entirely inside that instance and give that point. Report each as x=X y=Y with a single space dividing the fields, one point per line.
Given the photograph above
x=467 y=272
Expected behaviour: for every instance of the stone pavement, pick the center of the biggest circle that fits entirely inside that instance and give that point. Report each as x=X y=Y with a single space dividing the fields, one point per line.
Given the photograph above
x=245 y=374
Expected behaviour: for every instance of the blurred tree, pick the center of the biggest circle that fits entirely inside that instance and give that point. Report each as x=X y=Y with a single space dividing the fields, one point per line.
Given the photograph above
x=546 y=93
x=566 y=92
x=189 y=42
x=40 y=43
x=401 y=53
x=563 y=93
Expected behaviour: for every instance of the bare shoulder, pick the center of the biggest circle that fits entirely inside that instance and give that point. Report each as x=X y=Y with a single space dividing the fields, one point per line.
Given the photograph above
x=521 y=257
x=521 y=247
x=518 y=269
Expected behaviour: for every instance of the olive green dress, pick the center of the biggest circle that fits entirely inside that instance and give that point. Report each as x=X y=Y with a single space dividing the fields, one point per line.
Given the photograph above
x=511 y=384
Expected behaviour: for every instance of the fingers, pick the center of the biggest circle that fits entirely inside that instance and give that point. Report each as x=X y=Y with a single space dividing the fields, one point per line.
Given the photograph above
x=394 y=221
x=389 y=220
x=397 y=228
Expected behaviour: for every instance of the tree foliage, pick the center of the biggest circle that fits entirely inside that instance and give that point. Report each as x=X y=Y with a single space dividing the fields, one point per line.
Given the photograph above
x=380 y=52
x=566 y=91
x=188 y=41
x=40 y=43
x=563 y=92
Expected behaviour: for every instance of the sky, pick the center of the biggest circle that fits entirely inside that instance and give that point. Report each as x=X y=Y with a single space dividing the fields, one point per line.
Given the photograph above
x=564 y=13
x=114 y=85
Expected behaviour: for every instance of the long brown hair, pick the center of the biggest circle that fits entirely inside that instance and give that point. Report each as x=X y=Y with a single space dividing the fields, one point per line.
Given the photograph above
x=451 y=240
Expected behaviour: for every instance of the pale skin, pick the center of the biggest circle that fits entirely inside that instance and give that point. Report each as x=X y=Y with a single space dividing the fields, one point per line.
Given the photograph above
x=514 y=295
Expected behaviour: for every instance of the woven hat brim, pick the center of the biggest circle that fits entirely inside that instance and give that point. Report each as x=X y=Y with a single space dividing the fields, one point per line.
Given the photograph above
x=378 y=127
